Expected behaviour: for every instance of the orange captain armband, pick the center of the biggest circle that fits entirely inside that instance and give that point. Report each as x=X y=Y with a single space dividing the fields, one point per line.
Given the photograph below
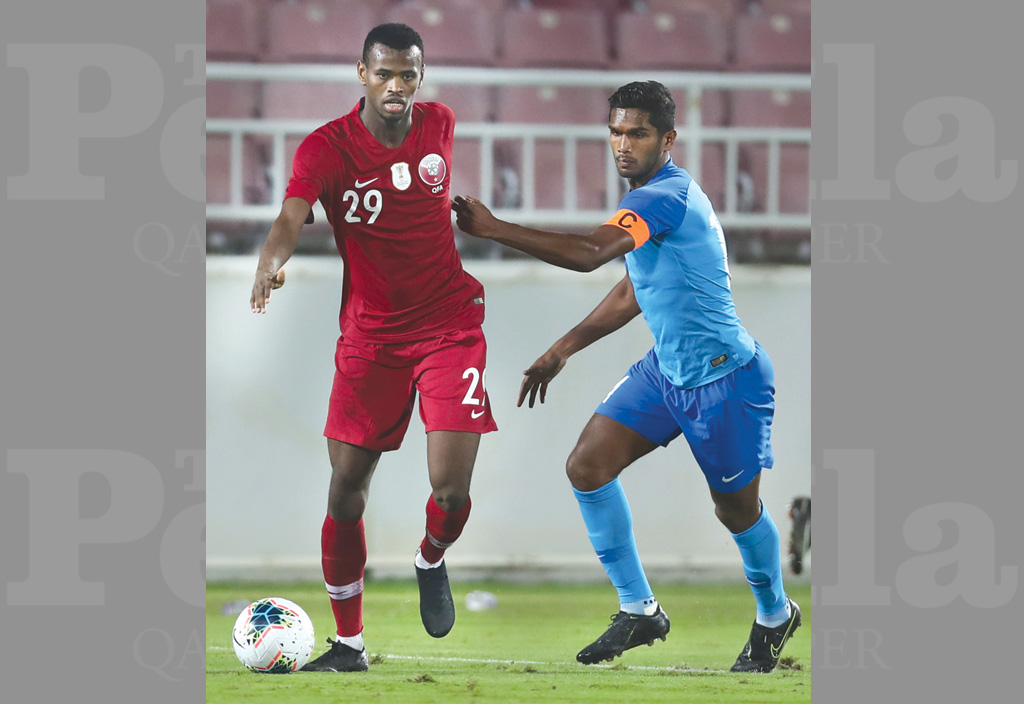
x=631 y=223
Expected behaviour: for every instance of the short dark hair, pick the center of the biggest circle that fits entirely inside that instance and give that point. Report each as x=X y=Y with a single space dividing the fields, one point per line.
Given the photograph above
x=394 y=36
x=651 y=97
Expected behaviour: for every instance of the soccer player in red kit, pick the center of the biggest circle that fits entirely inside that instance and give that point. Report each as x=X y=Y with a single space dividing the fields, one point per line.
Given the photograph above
x=410 y=322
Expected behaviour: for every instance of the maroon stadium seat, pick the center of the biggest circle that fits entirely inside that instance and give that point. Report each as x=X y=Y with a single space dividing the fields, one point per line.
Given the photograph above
x=466 y=168
x=565 y=105
x=554 y=38
x=452 y=36
x=232 y=99
x=470 y=103
x=773 y=43
x=234 y=30
x=319 y=31
x=494 y=7
x=794 y=175
x=238 y=100
x=776 y=108
x=712 y=175
x=671 y=41
x=312 y=100
x=722 y=8
x=786 y=7
x=218 y=171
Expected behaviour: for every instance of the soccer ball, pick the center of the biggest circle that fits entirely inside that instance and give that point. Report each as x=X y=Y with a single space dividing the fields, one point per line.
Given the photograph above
x=273 y=635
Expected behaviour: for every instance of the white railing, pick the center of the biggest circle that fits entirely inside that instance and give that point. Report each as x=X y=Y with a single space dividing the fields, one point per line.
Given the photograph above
x=693 y=134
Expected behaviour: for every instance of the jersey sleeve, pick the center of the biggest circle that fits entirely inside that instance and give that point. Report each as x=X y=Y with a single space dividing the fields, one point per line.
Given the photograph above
x=645 y=214
x=310 y=169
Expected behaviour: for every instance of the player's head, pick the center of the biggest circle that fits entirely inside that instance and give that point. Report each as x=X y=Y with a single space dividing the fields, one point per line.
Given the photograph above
x=641 y=116
x=391 y=69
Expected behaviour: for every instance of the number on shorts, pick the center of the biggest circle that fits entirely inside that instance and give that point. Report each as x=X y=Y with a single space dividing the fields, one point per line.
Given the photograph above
x=477 y=379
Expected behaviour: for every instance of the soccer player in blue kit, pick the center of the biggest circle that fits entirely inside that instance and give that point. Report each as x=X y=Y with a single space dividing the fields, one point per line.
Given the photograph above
x=705 y=378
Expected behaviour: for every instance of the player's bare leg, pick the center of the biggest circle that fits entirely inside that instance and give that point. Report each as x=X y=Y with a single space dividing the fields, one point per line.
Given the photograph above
x=757 y=537
x=605 y=448
x=450 y=459
x=343 y=551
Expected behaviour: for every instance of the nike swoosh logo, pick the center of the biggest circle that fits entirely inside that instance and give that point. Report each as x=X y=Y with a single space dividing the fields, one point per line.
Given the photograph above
x=776 y=652
x=360 y=184
x=475 y=414
x=732 y=477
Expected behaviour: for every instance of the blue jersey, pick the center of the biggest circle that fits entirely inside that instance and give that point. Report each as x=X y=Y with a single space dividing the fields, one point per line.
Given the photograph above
x=680 y=274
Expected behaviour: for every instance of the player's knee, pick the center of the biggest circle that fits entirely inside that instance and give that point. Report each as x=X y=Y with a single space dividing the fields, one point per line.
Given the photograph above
x=735 y=516
x=584 y=473
x=451 y=499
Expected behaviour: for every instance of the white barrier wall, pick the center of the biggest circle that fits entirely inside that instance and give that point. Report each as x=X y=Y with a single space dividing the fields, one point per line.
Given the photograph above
x=268 y=381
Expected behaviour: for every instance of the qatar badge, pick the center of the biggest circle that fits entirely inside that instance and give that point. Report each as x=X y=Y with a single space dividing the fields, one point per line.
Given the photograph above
x=400 y=175
x=432 y=169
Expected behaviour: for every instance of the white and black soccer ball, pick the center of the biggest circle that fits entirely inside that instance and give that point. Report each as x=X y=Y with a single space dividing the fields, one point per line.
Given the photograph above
x=273 y=635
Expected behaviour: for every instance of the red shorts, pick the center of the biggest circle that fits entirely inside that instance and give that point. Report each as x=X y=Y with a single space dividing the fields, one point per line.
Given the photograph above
x=375 y=386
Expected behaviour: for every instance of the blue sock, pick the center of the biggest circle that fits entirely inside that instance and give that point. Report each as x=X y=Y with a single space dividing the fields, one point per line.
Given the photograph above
x=762 y=563
x=610 y=528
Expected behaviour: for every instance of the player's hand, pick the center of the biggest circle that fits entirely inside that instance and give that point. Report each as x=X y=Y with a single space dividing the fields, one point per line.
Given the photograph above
x=539 y=375
x=473 y=217
x=265 y=283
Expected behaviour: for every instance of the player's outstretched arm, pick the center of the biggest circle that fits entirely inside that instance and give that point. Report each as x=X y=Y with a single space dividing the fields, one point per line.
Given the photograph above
x=576 y=252
x=617 y=309
x=284 y=235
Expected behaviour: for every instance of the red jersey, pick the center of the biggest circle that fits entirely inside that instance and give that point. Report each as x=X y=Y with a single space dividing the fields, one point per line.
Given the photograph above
x=391 y=216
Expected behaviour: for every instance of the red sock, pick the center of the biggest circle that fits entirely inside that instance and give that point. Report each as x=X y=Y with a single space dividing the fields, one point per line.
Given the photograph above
x=343 y=554
x=443 y=529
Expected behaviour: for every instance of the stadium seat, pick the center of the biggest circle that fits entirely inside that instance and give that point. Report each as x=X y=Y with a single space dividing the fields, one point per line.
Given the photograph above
x=554 y=38
x=726 y=9
x=712 y=175
x=319 y=31
x=234 y=30
x=794 y=175
x=671 y=41
x=608 y=8
x=773 y=43
x=548 y=105
x=786 y=7
x=238 y=100
x=493 y=7
x=218 y=171
x=776 y=108
x=474 y=28
x=466 y=167
x=713 y=109
x=470 y=103
x=312 y=100
x=232 y=99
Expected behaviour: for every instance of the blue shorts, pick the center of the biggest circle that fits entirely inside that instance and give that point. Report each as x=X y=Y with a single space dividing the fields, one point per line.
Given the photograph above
x=726 y=422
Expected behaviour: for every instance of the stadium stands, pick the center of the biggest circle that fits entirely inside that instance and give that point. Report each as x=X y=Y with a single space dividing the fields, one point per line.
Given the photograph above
x=234 y=30
x=550 y=105
x=475 y=27
x=786 y=7
x=554 y=39
x=673 y=41
x=639 y=36
x=319 y=31
x=773 y=43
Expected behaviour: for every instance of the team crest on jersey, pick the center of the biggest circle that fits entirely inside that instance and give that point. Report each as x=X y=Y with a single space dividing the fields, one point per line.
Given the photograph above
x=432 y=169
x=400 y=175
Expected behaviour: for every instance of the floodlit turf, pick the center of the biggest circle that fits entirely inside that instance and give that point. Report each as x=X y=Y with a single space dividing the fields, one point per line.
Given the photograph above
x=523 y=650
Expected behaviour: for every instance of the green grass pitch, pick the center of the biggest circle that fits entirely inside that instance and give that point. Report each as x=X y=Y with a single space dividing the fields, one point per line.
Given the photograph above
x=523 y=650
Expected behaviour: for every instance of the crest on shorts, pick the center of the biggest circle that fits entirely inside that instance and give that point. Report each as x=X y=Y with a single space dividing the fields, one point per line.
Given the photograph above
x=400 y=175
x=432 y=169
